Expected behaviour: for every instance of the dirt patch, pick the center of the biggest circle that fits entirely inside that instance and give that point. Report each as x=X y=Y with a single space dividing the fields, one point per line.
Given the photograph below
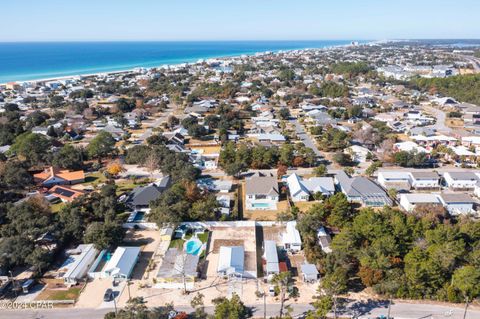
x=227 y=243
x=273 y=233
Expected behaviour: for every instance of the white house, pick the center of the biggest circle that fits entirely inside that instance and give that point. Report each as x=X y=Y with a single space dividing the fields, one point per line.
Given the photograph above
x=291 y=239
x=396 y=180
x=460 y=180
x=410 y=146
x=323 y=185
x=83 y=258
x=122 y=262
x=261 y=192
x=425 y=180
x=298 y=192
x=458 y=203
x=301 y=190
x=324 y=240
x=270 y=256
x=231 y=260
x=409 y=201
x=309 y=273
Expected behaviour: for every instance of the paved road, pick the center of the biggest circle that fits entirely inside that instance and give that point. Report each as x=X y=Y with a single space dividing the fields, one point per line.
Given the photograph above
x=474 y=61
x=304 y=137
x=366 y=309
x=441 y=117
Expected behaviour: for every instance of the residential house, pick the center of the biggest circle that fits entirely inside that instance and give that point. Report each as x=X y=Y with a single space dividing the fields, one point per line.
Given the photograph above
x=396 y=180
x=177 y=271
x=425 y=180
x=261 y=192
x=359 y=153
x=79 y=261
x=64 y=193
x=291 y=239
x=324 y=240
x=231 y=261
x=410 y=201
x=461 y=181
x=301 y=190
x=141 y=196
x=270 y=258
x=54 y=176
x=120 y=265
x=362 y=190
x=458 y=203
x=309 y=273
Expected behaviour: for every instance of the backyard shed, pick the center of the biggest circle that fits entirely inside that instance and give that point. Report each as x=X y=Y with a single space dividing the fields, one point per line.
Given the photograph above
x=309 y=273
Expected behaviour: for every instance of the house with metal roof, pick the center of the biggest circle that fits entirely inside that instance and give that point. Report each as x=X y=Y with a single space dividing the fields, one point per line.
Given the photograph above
x=301 y=190
x=410 y=201
x=121 y=264
x=458 y=203
x=291 y=239
x=361 y=190
x=270 y=257
x=83 y=258
x=324 y=240
x=396 y=180
x=425 y=180
x=261 y=192
x=461 y=181
x=309 y=273
x=231 y=261
x=178 y=270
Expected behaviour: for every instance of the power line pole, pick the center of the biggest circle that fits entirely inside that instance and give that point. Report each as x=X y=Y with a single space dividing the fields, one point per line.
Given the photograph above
x=264 y=305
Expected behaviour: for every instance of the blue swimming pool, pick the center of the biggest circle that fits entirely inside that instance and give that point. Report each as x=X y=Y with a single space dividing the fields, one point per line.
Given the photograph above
x=193 y=246
x=261 y=205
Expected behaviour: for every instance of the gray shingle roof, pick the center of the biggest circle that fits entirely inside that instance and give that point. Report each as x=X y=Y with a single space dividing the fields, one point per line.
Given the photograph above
x=262 y=185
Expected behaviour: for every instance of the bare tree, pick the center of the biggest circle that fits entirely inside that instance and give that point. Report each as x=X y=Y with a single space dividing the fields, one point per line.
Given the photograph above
x=151 y=163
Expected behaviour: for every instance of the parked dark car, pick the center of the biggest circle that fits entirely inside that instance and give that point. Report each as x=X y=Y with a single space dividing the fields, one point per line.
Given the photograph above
x=108 y=296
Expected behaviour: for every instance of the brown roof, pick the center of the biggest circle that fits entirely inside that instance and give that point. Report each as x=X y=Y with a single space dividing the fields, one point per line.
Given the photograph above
x=66 y=193
x=63 y=174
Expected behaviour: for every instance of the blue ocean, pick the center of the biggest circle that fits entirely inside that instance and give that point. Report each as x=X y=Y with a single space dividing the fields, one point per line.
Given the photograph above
x=21 y=61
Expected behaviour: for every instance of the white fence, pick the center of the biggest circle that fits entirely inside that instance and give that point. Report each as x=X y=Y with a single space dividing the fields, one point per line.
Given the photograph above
x=141 y=225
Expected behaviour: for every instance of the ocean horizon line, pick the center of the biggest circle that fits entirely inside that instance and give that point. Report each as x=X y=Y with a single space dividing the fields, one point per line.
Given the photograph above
x=40 y=61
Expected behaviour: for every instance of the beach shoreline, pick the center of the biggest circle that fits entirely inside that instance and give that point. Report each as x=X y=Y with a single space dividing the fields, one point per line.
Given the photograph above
x=191 y=61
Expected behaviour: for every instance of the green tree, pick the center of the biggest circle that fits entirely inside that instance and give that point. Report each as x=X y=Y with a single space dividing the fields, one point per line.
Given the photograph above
x=282 y=282
x=322 y=306
x=333 y=284
x=101 y=146
x=104 y=234
x=34 y=148
x=14 y=176
x=467 y=280
x=69 y=157
x=320 y=170
x=230 y=308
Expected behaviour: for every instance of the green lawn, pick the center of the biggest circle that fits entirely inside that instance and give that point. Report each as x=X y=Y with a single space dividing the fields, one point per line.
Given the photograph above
x=176 y=243
x=70 y=294
x=95 y=178
x=203 y=237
